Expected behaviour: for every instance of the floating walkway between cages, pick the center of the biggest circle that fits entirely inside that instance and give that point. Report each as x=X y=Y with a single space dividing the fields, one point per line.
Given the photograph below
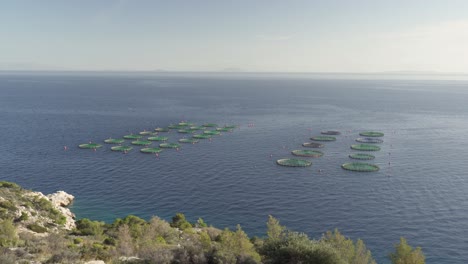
x=197 y=127
x=122 y=148
x=312 y=145
x=360 y=167
x=371 y=134
x=114 y=141
x=369 y=140
x=169 y=145
x=188 y=140
x=331 y=132
x=90 y=146
x=365 y=147
x=323 y=138
x=362 y=156
x=141 y=142
x=158 y=138
x=293 y=162
x=132 y=136
x=150 y=150
x=307 y=153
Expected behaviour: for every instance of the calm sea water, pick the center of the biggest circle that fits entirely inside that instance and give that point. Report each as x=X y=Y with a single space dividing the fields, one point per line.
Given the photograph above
x=421 y=191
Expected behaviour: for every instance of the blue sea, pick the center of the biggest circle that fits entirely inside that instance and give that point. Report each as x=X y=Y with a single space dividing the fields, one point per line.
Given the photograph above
x=420 y=192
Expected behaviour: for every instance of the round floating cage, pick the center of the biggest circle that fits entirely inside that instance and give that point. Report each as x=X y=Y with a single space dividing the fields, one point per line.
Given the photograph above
x=230 y=126
x=141 y=142
x=172 y=126
x=202 y=136
x=371 y=134
x=146 y=133
x=361 y=167
x=197 y=127
x=132 y=136
x=186 y=131
x=369 y=140
x=114 y=141
x=365 y=147
x=90 y=146
x=312 y=145
x=307 y=153
x=210 y=125
x=158 y=138
x=169 y=145
x=330 y=132
x=293 y=162
x=186 y=124
x=211 y=132
x=323 y=138
x=188 y=140
x=150 y=150
x=161 y=129
x=362 y=156
x=121 y=148
x=224 y=129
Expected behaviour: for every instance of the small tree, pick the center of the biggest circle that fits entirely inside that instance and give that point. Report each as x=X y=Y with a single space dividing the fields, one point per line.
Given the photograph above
x=405 y=254
x=274 y=229
x=180 y=222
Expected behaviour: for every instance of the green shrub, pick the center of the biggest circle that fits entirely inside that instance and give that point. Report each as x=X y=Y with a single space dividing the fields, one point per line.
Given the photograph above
x=86 y=227
x=24 y=217
x=8 y=235
x=8 y=205
x=405 y=254
x=10 y=185
x=37 y=228
x=77 y=240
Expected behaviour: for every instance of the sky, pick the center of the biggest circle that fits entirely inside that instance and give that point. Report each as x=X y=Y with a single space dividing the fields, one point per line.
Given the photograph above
x=357 y=36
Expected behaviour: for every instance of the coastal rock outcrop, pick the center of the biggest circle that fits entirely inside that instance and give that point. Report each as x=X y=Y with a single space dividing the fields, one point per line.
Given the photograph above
x=60 y=200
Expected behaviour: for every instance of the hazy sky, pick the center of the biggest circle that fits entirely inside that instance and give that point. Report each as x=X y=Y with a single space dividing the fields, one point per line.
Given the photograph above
x=217 y=35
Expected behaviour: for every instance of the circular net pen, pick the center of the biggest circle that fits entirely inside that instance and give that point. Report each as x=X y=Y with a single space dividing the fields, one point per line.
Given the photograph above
x=202 y=136
x=89 y=146
x=312 y=145
x=371 y=134
x=293 y=162
x=132 y=136
x=184 y=124
x=158 y=138
x=186 y=131
x=141 y=142
x=323 y=138
x=211 y=132
x=365 y=147
x=210 y=125
x=360 y=166
x=150 y=150
x=369 y=140
x=188 y=140
x=172 y=126
x=121 y=148
x=146 y=133
x=161 y=129
x=169 y=145
x=114 y=141
x=224 y=129
x=330 y=132
x=362 y=156
x=307 y=153
x=197 y=127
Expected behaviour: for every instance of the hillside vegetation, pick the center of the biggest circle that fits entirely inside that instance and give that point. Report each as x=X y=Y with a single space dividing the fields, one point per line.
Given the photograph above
x=32 y=230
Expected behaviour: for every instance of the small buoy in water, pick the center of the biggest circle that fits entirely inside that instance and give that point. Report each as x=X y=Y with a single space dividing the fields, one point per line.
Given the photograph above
x=65 y=148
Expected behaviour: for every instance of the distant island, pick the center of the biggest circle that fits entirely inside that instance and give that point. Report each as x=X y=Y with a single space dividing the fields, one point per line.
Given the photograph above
x=38 y=228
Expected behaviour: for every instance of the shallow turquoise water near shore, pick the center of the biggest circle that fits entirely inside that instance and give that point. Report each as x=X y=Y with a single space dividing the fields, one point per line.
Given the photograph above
x=419 y=193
